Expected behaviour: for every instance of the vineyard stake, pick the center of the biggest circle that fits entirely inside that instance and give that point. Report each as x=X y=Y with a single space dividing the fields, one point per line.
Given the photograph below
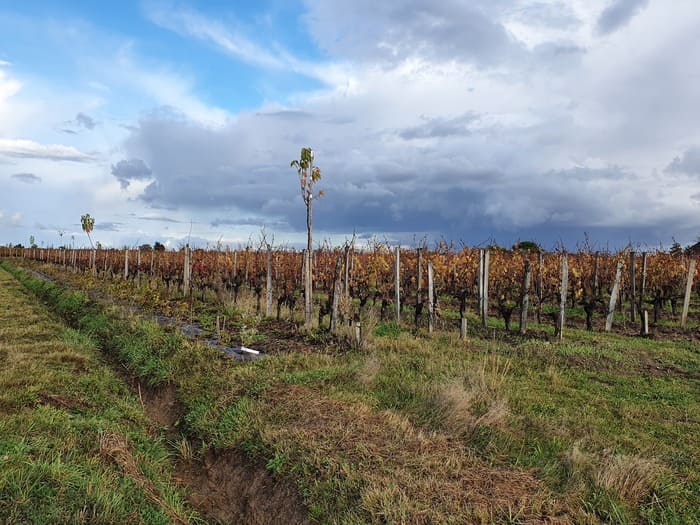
x=337 y=287
x=643 y=285
x=633 y=286
x=613 y=297
x=645 y=322
x=525 y=297
x=397 y=285
x=688 y=290
x=186 y=272
x=419 y=285
x=485 y=312
x=126 y=263
x=463 y=328
x=431 y=306
x=563 y=294
x=268 y=283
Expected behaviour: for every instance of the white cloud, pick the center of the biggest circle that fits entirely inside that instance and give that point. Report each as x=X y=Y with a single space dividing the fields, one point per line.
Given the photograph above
x=163 y=86
x=29 y=149
x=234 y=43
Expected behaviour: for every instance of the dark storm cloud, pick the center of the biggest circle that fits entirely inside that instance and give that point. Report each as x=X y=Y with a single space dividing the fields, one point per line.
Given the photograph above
x=485 y=181
x=440 y=127
x=688 y=163
x=127 y=170
x=28 y=178
x=392 y=31
x=618 y=14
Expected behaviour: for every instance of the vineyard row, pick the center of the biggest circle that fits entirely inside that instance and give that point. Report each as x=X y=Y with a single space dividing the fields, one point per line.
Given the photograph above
x=346 y=280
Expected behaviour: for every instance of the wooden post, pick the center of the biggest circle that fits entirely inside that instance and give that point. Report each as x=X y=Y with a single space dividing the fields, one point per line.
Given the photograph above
x=564 y=287
x=613 y=297
x=525 y=297
x=633 y=288
x=642 y=288
x=431 y=303
x=540 y=286
x=186 y=272
x=126 y=263
x=358 y=334
x=688 y=290
x=485 y=291
x=480 y=283
x=419 y=284
x=397 y=284
x=268 y=287
x=596 y=267
x=645 y=322
x=346 y=282
x=463 y=328
x=337 y=289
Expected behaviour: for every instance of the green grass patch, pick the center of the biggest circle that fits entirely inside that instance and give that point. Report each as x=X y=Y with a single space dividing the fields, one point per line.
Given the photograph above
x=60 y=408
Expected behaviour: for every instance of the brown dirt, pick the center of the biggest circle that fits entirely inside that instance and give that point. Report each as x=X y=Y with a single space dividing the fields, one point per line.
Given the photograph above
x=228 y=488
x=161 y=405
x=224 y=486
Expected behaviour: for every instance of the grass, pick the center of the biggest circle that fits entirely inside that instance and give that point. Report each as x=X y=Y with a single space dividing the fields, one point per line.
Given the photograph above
x=431 y=429
x=74 y=444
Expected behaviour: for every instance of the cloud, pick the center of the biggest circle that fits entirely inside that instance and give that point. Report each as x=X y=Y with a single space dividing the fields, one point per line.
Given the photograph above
x=191 y=23
x=548 y=14
x=618 y=14
x=32 y=150
x=440 y=127
x=236 y=44
x=28 y=178
x=158 y=218
x=128 y=170
x=688 y=163
x=391 y=32
x=85 y=121
x=108 y=226
x=15 y=220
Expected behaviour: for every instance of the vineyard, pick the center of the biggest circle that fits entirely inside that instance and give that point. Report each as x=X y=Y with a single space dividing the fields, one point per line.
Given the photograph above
x=421 y=287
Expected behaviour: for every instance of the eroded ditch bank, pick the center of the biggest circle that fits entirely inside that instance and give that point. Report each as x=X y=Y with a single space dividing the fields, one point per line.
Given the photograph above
x=224 y=484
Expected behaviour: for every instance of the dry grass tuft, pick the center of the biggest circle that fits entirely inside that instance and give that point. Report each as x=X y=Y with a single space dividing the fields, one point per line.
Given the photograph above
x=632 y=478
x=476 y=400
x=402 y=474
x=369 y=371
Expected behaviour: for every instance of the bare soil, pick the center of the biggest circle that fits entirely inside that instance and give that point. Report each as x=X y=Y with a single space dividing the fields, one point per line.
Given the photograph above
x=225 y=486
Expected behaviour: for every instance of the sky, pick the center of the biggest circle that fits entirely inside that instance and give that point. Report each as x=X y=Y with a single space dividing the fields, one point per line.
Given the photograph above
x=474 y=121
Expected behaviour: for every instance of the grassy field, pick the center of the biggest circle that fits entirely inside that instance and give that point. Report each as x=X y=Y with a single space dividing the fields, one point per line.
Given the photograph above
x=431 y=429
x=75 y=446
